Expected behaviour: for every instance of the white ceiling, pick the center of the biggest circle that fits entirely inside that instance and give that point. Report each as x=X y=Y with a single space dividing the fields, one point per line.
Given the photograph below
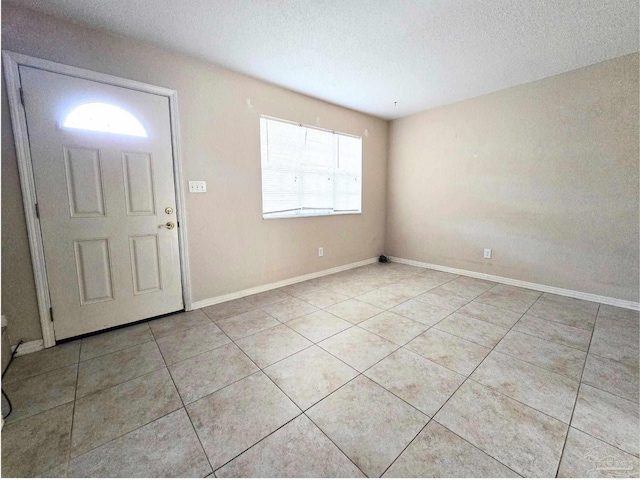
x=369 y=54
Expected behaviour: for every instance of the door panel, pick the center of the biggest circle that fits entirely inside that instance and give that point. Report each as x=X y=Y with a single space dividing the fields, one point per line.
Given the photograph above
x=145 y=261
x=84 y=182
x=138 y=183
x=93 y=265
x=102 y=199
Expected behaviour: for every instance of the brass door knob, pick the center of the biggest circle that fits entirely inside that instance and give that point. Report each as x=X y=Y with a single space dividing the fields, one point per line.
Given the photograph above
x=168 y=226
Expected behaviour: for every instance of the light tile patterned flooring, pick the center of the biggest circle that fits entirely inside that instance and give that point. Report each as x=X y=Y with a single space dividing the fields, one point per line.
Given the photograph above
x=385 y=370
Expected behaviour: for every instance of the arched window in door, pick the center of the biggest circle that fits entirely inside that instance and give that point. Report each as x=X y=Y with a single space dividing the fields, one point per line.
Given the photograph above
x=103 y=117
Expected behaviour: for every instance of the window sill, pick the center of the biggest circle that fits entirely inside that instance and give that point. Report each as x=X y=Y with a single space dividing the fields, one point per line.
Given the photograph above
x=307 y=213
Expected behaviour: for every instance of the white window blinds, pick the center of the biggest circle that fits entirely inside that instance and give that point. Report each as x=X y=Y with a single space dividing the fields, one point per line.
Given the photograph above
x=307 y=171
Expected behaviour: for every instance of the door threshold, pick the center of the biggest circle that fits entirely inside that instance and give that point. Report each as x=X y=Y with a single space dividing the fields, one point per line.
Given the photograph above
x=118 y=327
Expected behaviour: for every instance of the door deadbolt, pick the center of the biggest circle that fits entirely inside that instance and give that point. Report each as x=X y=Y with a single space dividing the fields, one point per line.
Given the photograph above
x=168 y=226
x=168 y=210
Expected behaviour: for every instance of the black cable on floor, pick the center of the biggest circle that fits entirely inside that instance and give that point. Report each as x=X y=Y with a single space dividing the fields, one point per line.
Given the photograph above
x=13 y=354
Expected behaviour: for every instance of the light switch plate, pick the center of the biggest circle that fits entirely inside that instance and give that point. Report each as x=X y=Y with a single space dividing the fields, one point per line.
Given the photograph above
x=197 y=186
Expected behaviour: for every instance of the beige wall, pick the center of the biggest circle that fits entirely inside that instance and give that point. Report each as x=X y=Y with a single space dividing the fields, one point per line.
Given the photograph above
x=545 y=174
x=231 y=246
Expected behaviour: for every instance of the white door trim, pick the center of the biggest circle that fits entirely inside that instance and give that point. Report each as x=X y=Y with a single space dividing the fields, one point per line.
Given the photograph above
x=11 y=62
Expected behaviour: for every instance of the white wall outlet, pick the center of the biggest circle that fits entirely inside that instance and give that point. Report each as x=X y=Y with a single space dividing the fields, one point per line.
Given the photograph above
x=320 y=251
x=487 y=253
x=197 y=186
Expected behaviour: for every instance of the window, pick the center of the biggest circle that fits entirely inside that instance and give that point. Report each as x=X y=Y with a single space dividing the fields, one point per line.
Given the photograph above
x=103 y=117
x=308 y=171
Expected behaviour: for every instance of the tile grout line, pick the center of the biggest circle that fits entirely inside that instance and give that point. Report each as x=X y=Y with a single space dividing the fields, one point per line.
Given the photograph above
x=73 y=411
x=606 y=391
x=450 y=397
x=283 y=358
x=120 y=328
x=453 y=335
x=74 y=407
x=482 y=361
x=195 y=430
x=122 y=382
x=467 y=441
x=432 y=419
x=518 y=331
x=477 y=366
x=27 y=379
x=181 y=399
x=383 y=358
x=637 y=457
x=435 y=327
x=543 y=368
x=468 y=377
x=235 y=381
x=253 y=334
x=360 y=374
x=125 y=434
x=607 y=358
x=322 y=340
x=330 y=439
x=302 y=411
x=140 y=426
x=552 y=341
x=134 y=378
x=538 y=366
x=436 y=306
x=515 y=300
x=256 y=443
x=555 y=322
x=575 y=402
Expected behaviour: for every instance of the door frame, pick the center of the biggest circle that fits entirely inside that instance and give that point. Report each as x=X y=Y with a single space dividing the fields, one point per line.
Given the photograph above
x=11 y=61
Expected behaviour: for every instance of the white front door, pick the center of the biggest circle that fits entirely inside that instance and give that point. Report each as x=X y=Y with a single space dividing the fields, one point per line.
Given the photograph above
x=103 y=168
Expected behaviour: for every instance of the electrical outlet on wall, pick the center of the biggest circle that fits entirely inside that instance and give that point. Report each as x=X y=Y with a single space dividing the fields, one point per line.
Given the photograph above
x=487 y=253
x=320 y=251
x=197 y=186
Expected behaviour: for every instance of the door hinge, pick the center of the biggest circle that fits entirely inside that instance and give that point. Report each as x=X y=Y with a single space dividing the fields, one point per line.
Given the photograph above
x=51 y=313
x=37 y=211
x=22 y=96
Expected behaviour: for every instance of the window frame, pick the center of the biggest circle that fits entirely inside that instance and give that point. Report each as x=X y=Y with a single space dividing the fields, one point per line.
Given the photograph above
x=303 y=166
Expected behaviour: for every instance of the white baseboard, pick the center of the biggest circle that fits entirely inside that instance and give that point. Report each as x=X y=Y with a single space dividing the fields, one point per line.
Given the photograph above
x=29 y=347
x=616 y=302
x=283 y=283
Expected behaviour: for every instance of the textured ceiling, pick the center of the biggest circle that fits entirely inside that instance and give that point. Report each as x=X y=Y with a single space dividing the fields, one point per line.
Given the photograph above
x=369 y=54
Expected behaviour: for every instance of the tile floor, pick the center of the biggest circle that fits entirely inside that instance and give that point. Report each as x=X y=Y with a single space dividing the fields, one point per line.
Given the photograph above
x=385 y=370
